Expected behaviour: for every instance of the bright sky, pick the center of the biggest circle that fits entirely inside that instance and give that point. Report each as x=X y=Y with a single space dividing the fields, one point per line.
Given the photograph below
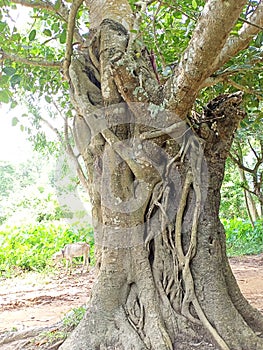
x=14 y=146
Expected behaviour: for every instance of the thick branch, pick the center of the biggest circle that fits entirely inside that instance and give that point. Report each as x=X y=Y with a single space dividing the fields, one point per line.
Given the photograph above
x=198 y=62
x=235 y=44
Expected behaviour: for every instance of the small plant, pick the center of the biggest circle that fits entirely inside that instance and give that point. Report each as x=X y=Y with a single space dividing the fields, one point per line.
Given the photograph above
x=72 y=319
x=49 y=339
x=54 y=338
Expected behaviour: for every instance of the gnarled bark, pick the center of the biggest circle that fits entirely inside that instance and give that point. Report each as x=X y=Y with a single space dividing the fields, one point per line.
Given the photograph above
x=164 y=281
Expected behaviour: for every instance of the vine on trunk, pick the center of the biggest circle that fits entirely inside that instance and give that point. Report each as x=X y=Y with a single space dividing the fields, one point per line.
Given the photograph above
x=148 y=156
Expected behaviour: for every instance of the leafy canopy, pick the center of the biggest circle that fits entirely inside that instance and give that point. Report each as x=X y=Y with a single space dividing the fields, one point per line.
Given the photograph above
x=33 y=49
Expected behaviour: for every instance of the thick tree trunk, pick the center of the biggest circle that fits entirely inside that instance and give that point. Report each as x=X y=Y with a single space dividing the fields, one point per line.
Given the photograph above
x=164 y=281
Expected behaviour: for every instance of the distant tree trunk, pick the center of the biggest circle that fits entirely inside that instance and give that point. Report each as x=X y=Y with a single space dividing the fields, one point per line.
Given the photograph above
x=164 y=281
x=251 y=206
x=250 y=203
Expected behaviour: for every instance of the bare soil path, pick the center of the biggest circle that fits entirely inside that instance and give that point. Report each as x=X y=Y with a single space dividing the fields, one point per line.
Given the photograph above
x=249 y=274
x=34 y=300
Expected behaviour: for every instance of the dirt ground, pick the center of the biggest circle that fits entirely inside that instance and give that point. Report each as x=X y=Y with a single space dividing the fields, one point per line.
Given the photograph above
x=34 y=300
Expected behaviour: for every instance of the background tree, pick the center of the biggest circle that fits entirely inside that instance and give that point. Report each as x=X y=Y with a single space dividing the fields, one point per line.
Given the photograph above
x=155 y=159
x=7 y=171
x=248 y=156
x=232 y=197
x=27 y=196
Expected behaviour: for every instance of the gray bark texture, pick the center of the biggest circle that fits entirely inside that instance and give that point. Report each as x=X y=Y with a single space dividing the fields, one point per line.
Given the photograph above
x=155 y=172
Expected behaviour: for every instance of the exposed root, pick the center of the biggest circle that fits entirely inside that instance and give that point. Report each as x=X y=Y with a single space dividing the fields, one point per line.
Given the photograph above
x=27 y=339
x=193 y=150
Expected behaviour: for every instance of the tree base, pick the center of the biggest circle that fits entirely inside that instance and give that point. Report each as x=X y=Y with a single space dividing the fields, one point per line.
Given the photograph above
x=99 y=332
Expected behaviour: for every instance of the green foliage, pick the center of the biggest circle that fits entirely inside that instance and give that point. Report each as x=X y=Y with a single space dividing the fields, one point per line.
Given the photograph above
x=25 y=193
x=7 y=172
x=28 y=41
x=166 y=29
x=30 y=248
x=242 y=238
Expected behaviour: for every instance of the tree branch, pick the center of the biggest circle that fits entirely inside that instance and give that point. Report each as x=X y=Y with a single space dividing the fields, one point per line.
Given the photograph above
x=199 y=60
x=253 y=150
x=51 y=127
x=70 y=34
x=119 y=11
x=224 y=77
x=15 y=58
x=239 y=163
x=37 y=4
x=250 y=23
x=73 y=157
x=244 y=88
x=249 y=190
x=62 y=11
x=66 y=144
x=234 y=44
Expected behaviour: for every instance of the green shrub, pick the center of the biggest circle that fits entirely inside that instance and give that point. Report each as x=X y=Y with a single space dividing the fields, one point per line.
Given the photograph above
x=31 y=247
x=242 y=238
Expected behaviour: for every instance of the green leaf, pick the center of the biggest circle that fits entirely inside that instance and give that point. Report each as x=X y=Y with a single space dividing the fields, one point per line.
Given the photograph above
x=259 y=40
x=9 y=71
x=48 y=98
x=4 y=80
x=63 y=36
x=13 y=104
x=4 y=96
x=2 y=26
x=55 y=27
x=15 y=121
x=47 y=32
x=16 y=37
x=194 y=4
x=15 y=80
x=57 y=4
x=32 y=35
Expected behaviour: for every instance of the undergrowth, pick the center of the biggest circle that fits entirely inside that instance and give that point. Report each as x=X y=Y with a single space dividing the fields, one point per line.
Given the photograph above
x=30 y=247
x=242 y=238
